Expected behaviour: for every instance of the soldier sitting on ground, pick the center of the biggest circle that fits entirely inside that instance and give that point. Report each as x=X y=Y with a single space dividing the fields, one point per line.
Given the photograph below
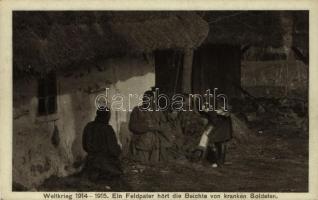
x=103 y=151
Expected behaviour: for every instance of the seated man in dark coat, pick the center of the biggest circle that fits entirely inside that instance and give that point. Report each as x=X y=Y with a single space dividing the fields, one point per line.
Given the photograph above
x=100 y=143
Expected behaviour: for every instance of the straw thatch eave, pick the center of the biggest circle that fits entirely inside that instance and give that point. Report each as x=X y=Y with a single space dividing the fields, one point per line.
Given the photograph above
x=46 y=42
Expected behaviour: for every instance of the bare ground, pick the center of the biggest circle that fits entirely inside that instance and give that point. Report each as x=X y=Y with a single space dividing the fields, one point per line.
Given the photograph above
x=274 y=160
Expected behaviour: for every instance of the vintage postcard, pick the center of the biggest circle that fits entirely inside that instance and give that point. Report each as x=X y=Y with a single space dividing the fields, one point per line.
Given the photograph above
x=158 y=99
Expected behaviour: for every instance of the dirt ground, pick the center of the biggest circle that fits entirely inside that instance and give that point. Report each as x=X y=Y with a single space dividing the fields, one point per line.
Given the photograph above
x=272 y=160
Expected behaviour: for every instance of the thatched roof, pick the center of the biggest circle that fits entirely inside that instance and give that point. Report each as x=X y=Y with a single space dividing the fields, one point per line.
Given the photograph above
x=50 y=40
x=175 y=31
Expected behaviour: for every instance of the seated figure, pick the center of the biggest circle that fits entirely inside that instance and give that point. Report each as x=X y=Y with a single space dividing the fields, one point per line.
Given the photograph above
x=103 y=151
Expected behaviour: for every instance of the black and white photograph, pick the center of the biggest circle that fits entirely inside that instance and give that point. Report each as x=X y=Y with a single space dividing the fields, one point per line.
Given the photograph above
x=191 y=101
x=160 y=101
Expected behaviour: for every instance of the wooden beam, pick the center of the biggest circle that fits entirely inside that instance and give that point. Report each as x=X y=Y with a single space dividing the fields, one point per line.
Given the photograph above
x=187 y=71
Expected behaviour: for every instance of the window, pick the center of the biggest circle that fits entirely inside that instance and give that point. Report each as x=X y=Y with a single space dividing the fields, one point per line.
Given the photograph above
x=47 y=92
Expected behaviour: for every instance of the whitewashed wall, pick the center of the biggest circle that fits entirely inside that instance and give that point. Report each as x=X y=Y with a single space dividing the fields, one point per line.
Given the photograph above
x=34 y=156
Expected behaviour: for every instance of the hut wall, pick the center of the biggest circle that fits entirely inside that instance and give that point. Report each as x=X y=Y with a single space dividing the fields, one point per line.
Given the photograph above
x=35 y=158
x=275 y=79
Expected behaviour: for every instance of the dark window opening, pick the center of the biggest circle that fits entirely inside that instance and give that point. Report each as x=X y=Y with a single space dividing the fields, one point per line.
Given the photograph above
x=47 y=94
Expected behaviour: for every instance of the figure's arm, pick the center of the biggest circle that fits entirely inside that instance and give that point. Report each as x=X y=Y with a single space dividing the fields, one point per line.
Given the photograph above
x=112 y=144
x=163 y=127
x=136 y=123
x=162 y=124
x=222 y=113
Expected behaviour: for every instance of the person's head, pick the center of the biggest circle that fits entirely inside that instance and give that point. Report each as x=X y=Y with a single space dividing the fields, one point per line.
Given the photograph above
x=148 y=99
x=103 y=115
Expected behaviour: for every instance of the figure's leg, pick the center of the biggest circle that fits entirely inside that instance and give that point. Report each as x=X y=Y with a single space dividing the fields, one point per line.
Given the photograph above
x=111 y=169
x=221 y=151
x=212 y=154
x=154 y=155
x=138 y=154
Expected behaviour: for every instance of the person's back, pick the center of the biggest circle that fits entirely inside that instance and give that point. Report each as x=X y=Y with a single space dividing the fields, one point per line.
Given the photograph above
x=103 y=151
x=99 y=139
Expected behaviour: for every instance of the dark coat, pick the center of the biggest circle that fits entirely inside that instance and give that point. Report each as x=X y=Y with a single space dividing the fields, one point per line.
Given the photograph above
x=146 y=125
x=151 y=135
x=222 y=131
x=100 y=143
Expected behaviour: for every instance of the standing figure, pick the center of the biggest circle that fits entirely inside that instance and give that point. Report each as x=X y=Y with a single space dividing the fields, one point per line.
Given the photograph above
x=149 y=128
x=175 y=151
x=221 y=133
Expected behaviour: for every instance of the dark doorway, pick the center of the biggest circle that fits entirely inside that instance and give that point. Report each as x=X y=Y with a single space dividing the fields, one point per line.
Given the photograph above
x=168 y=68
x=217 y=66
